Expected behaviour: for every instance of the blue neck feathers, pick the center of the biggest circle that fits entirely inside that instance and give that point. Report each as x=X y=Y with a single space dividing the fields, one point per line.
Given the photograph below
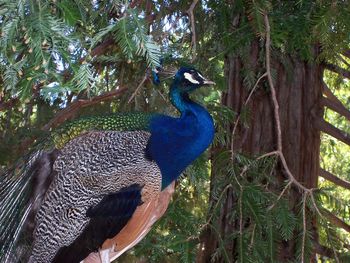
x=180 y=100
x=177 y=142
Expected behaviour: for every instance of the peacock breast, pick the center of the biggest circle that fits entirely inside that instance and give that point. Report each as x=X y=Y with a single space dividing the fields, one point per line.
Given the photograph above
x=176 y=142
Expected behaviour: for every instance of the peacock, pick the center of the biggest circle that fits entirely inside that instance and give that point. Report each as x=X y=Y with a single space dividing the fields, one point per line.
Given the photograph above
x=99 y=183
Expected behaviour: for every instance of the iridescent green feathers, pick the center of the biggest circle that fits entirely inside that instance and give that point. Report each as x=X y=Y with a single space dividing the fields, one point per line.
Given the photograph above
x=135 y=121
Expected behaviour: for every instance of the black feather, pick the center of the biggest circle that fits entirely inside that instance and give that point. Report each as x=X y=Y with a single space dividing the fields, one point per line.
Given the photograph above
x=22 y=192
x=107 y=219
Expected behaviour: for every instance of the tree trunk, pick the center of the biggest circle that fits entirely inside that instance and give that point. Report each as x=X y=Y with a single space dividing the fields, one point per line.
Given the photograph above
x=299 y=92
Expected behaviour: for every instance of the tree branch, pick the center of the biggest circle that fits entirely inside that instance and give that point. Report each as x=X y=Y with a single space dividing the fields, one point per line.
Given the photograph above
x=102 y=47
x=327 y=91
x=4 y=105
x=335 y=220
x=334 y=179
x=346 y=53
x=73 y=108
x=343 y=60
x=328 y=128
x=334 y=103
x=276 y=111
x=339 y=108
x=193 y=29
x=341 y=71
x=145 y=77
x=97 y=51
x=239 y=115
x=135 y=3
x=322 y=250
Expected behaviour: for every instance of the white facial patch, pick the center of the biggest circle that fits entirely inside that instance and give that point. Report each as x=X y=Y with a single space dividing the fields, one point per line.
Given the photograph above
x=199 y=74
x=189 y=77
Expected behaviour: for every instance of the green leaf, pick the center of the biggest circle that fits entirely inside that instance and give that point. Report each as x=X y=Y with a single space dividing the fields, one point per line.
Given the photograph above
x=99 y=36
x=70 y=12
x=83 y=79
x=49 y=92
x=285 y=220
x=132 y=37
x=124 y=38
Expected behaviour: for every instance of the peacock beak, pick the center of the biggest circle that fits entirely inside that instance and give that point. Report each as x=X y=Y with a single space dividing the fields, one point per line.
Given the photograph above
x=208 y=82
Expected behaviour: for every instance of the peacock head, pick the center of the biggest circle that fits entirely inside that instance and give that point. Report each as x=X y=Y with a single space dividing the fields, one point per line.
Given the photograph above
x=188 y=79
x=185 y=80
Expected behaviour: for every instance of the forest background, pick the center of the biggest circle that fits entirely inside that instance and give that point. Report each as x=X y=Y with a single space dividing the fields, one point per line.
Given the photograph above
x=274 y=186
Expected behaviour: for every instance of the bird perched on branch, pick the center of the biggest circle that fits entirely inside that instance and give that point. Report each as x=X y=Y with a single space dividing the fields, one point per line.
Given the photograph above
x=99 y=183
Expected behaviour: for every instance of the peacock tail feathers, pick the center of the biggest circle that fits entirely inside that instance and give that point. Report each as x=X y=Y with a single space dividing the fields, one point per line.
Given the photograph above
x=14 y=205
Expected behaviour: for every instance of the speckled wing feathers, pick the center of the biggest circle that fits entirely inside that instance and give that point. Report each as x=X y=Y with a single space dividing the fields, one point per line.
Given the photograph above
x=107 y=218
x=89 y=167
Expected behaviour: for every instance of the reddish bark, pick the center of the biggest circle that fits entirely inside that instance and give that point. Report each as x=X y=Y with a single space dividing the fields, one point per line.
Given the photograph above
x=334 y=179
x=299 y=94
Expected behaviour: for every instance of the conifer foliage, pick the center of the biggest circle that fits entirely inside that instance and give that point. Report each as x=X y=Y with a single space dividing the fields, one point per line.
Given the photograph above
x=274 y=187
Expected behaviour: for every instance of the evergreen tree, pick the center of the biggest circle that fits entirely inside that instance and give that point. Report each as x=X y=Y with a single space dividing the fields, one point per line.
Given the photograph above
x=274 y=187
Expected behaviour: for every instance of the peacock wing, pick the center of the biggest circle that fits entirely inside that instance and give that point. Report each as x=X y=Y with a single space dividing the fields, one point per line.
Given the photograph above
x=107 y=218
x=97 y=173
x=22 y=188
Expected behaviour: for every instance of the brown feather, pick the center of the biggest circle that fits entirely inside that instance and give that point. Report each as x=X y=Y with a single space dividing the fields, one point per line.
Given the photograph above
x=138 y=226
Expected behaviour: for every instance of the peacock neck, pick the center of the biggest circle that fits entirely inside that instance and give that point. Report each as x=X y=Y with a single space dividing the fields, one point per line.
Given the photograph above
x=180 y=100
x=177 y=142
